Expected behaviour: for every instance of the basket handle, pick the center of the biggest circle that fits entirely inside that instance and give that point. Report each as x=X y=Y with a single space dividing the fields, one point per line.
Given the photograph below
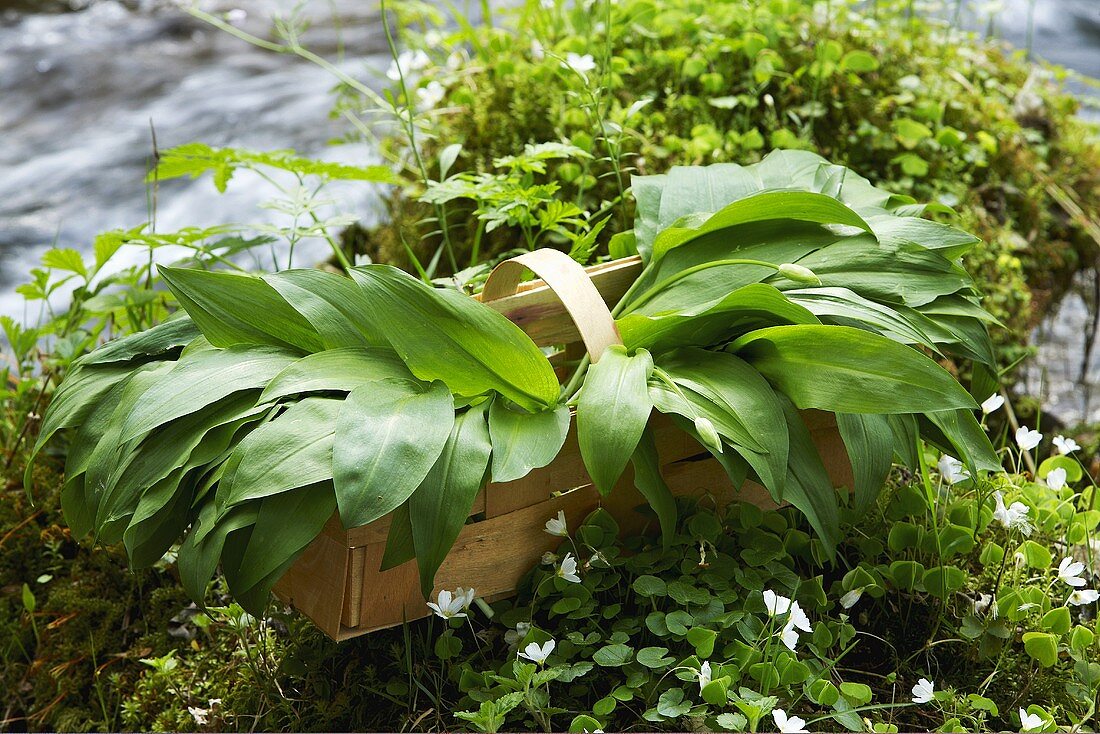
x=570 y=283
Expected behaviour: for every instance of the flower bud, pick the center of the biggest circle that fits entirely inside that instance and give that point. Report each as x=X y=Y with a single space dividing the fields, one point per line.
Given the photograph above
x=708 y=434
x=799 y=274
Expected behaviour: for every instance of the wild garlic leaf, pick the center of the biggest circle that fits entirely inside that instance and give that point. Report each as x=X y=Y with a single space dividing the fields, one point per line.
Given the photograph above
x=612 y=410
x=446 y=335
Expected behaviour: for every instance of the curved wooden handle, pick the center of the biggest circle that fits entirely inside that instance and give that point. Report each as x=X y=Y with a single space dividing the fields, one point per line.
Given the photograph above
x=570 y=283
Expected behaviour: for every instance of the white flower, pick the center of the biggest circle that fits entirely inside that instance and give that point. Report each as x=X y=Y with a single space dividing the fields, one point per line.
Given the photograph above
x=704 y=675
x=547 y=4
x=568 y=569
x=1027 y=439
x=788 y=635
x=1081 y=597
x=1014 y=517
x=557 y=525
x=429 y=97
x=799 y=619
x=537 y=653
x=992 y=403
x=538 y=53
x=1069 y=571
x=922 y=692
x=466 y=596
x=406 y=63
x=788 y=725
x=951 y=469
x=198 y=714
x=1029 y=722
x=775 y=603
x=1056 y=478
x=433 y=38
x=449 y=605
x=849 y=600
x=983 y=602
x=1065 y=445
x=580 y=64
x=796 y=621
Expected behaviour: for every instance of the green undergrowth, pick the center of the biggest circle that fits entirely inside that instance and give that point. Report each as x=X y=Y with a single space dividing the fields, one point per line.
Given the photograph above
x=102 y=648
x=915 y=105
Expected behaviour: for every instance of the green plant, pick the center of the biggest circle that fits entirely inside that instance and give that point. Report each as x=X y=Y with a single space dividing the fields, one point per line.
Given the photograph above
x=305 y=393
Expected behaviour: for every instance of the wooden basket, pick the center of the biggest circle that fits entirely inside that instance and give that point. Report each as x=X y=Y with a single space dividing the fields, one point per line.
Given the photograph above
x=337 y=582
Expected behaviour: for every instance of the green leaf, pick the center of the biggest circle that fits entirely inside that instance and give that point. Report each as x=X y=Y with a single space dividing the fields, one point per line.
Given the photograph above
x=1036 y=555
x=870 y=447
x=613 y=656
x=141 y=466
x=858 y=62
x=1074 y=472
x=1042 y=647
x=202 y=548
x=448 y=336
x=336 y=370
x=1057 y=621
x=333 y=305
x=948 y=241
x=960 y=430
x=388 y=437
x=904 y=432
x=808 y=486
x=612 y=410
x=803 y=206
x=904 y=273
x=848 y=370
x=747 y=308
x=77 y=397
x=440 y=506
x=274 y=542
x=161 y=341
x=942 y=581
x=65 y=259
x=237 y=308
x=291 y=451
x=399 y=540
x=656 y=658
x=651 y=485
x=845 y=308
x=202 y=379
x=524 y=441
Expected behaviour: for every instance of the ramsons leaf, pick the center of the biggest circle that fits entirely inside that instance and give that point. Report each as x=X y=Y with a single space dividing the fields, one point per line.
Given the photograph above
x=238 y=308
x=612 y=410
x=848 y=370
x=524 y=441
x=448 y=336
x=388 y=436
x=439 y=507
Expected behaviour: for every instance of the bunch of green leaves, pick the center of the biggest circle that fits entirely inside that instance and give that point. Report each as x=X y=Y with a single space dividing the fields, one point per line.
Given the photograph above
x=511 y=197
x=788 y=285
x=305 y=393
x=297 y=394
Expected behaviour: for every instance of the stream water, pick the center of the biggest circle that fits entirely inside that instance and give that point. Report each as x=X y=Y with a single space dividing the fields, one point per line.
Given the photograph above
x=81 y=91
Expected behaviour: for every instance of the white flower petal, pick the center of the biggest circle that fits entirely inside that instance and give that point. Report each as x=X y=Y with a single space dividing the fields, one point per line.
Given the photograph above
x=923 y=691
x=992 y=403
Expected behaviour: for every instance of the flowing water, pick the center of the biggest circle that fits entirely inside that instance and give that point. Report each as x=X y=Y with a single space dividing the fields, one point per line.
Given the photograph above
x=80 y=92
